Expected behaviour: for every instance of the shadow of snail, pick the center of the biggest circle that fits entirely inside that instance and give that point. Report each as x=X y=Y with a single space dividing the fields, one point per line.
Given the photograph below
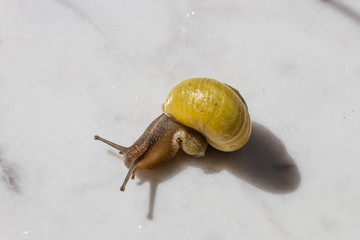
x=262 y=162
x=202 y=111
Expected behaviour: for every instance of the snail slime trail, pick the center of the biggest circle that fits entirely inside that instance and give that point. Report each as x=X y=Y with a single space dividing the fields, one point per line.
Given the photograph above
x=197 y=112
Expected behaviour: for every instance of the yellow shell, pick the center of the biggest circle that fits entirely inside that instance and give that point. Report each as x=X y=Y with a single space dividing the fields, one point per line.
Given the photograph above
x=215 y=109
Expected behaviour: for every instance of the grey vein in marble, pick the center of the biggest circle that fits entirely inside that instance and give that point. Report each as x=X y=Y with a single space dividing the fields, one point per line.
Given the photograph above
x=9 y=175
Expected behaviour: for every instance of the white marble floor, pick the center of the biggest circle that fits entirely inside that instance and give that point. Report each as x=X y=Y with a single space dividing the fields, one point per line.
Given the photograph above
x=70 y=69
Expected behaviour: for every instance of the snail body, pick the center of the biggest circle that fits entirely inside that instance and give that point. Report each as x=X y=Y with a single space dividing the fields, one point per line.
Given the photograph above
x=158 y=144
x=197 y=111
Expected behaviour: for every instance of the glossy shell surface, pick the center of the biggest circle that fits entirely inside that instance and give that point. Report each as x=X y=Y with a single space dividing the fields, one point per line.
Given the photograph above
x=215 y=109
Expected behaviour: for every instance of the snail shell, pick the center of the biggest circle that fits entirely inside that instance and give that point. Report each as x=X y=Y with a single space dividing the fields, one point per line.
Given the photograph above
x=215 y=109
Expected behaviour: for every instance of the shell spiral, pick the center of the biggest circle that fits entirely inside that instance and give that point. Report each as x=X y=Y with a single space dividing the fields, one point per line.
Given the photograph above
x=215 y=109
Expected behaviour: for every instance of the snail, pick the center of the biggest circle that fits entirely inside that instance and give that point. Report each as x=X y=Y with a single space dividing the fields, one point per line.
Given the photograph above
x=197 y=112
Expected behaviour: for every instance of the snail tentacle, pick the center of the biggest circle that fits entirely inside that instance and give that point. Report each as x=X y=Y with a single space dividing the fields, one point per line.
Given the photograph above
x=130 y=173
x=122 y=149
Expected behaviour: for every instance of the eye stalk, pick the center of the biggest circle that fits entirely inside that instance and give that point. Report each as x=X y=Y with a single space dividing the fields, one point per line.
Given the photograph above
x=197 y=111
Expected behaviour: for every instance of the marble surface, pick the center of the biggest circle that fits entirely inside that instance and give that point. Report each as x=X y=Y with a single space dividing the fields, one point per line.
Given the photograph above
x=70 y=69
